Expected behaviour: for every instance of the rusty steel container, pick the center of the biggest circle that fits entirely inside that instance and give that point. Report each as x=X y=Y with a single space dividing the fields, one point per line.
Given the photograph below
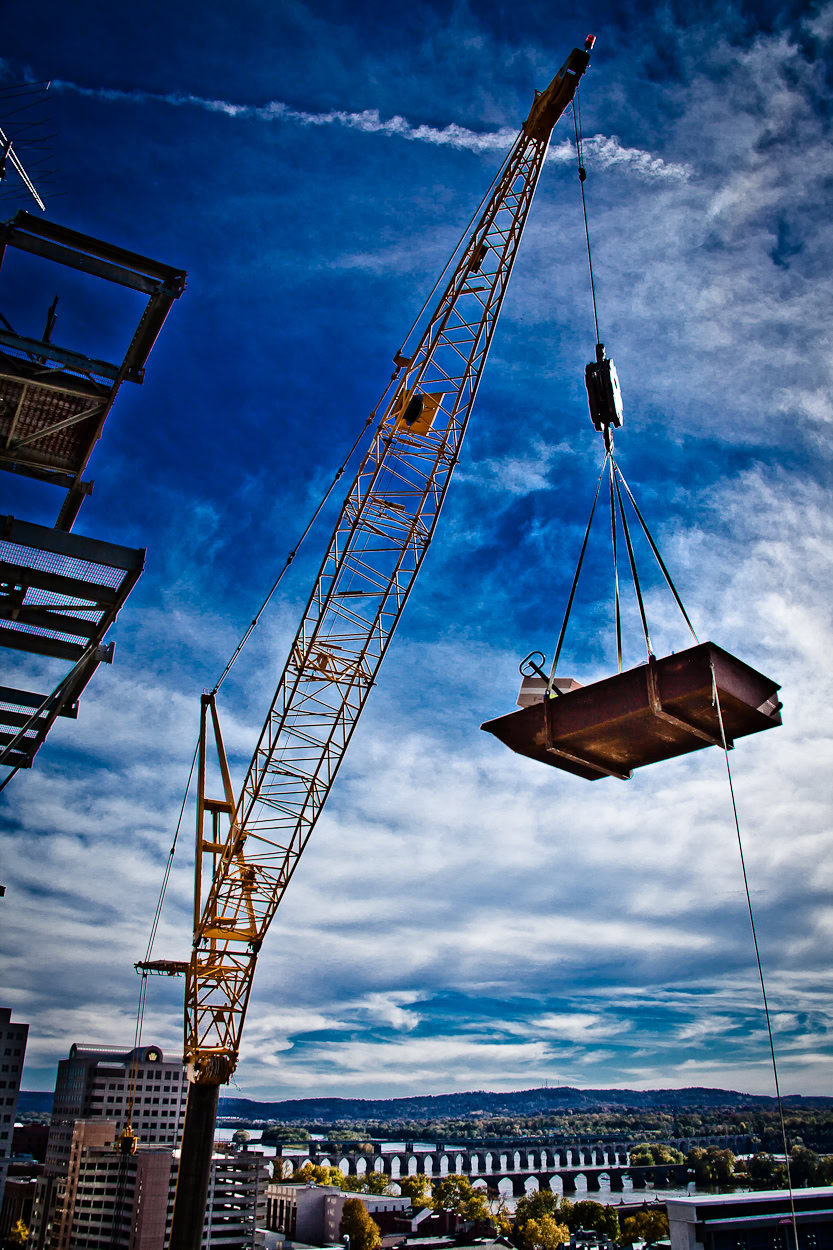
x=656 y=711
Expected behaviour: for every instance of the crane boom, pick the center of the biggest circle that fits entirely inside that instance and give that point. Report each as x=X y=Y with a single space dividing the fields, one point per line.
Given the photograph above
x=380 y=540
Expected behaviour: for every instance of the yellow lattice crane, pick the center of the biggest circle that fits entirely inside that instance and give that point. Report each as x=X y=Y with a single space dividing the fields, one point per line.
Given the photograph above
x=248 y=845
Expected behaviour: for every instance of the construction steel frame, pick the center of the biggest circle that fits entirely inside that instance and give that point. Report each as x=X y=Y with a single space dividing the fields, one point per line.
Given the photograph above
x=54 y=401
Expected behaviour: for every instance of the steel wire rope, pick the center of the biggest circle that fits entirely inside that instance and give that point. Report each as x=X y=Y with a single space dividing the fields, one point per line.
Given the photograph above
x=617 y=606
x=634 y=573
x=716 y=702
x=463 y=237
x=157 y=916
x=229 y=665
x=582 y=177
x=655 y=550
x=291 y=556
x=555 y=659
x=387 y=473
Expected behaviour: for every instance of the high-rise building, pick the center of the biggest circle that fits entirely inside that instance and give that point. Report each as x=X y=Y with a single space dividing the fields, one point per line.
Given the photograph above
x=94 y=1084
x=12 y=1051
x=114 y=1201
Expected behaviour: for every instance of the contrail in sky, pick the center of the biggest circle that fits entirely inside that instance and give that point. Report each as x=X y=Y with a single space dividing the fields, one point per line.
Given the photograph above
x=602 y=150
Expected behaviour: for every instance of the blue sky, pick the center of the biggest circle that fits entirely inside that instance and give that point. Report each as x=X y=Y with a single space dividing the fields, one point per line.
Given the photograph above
x=462 y=918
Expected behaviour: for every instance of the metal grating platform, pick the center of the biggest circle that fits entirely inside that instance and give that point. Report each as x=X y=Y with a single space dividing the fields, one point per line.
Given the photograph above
x=59 y=594
x=650 y=713
x=54 y=401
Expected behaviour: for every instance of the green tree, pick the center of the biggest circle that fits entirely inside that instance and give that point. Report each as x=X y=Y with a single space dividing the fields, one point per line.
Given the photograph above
x=761 y=1168
x=649 y=1226
x=804 y=1166
x=418 y=1189
x=359 y=1226
x=588 y=1214
x=712 y=1166
x=284 y=1133
x=545 y=1233
x=457 y=1194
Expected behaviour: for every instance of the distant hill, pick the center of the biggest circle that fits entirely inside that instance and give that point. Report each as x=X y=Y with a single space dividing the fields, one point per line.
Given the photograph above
x=29 y=1101
x=518 y=1103
x=525 y=1102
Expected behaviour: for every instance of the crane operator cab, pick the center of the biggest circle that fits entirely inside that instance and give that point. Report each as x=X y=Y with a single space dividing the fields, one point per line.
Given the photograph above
x=604 y=394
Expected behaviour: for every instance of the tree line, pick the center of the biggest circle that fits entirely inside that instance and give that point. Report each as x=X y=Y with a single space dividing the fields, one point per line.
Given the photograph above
x=812 y=1126
x=542 y=1220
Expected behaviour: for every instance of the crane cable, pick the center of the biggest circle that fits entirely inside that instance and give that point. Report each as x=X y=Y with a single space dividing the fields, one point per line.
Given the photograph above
x=716 y=703
x=140 y=1010
x=617 y=480
x=157 y=916
x=615 y=477
x=399 y=365
x=582 y=177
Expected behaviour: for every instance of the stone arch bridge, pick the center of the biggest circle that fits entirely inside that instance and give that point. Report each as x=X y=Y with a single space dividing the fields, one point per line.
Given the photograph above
x=570 y=1168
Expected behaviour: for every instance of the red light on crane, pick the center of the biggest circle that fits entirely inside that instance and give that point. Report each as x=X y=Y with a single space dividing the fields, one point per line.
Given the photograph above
x=588 y=43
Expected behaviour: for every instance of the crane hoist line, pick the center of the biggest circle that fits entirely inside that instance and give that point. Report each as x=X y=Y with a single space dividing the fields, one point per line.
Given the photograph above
x=249 y=844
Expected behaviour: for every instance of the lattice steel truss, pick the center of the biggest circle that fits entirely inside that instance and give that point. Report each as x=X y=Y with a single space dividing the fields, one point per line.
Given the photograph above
x=374 y=555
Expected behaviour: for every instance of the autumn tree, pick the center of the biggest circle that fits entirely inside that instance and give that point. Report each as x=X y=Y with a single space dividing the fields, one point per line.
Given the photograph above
x=18 y=1234
x=653 y=1154
x=545 y=1234
x=321 y=1174
x=457 y=1194
x=534 y=1205
x=418 y=1189
x=648 y=1226
x=359 y=1226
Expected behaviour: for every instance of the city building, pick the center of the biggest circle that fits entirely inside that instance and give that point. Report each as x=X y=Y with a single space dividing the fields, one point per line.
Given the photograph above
x=112 y=1201
x=96 y=1084
x=311 y=1213
x=752 y=1221
x=236 y=1208
x=12 y=1051
x=116 y=1201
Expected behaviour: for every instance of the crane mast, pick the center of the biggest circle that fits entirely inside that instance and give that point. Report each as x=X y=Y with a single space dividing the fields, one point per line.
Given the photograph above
x=248 y=846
